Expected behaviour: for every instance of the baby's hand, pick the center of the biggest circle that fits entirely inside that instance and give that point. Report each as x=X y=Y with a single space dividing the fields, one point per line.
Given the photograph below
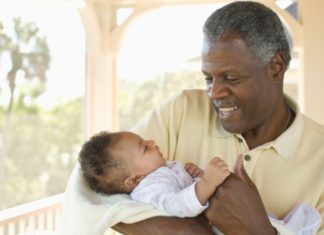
x=193 y=170
x=216 y=172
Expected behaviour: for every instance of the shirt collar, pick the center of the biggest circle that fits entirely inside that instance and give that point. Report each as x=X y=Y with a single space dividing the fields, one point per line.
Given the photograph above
x=286 y=143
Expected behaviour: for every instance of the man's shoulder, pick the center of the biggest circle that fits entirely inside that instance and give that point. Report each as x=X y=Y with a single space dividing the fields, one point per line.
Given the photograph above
x=314 y=127
x=192 y=96
x=187 y=100
x=193 y=93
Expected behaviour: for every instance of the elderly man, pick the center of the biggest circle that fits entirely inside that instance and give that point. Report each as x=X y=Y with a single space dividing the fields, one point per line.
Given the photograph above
x=245 y=55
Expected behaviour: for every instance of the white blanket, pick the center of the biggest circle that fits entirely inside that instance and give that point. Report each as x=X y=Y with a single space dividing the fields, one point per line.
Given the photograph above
x=88 y=213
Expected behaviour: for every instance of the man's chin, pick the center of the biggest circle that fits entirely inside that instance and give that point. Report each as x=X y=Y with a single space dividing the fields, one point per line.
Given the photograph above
x=231 y=128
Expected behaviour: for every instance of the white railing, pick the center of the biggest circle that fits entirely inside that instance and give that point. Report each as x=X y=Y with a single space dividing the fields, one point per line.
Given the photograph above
x=35 y=218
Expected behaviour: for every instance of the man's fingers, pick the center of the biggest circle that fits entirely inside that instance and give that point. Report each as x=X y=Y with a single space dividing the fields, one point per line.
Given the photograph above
x=238 y=166
x=239 y=170
x=243 y=175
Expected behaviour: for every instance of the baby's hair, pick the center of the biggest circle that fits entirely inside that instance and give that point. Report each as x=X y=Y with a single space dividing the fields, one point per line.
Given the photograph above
x=101 y=169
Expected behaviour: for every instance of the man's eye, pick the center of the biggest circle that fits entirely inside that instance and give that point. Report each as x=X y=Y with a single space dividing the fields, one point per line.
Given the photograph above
x=208 y=80
x=231 y=77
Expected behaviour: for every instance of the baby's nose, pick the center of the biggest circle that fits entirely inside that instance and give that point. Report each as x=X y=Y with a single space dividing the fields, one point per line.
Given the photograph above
x=152 y=143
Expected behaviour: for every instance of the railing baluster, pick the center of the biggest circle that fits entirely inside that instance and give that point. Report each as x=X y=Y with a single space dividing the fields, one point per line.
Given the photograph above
x=49 y=220
x=5 y=229
x=11 y=229
x=31 y=224
x=57 y=213
x=40 y=221
x=22 y=226
x=41 y=216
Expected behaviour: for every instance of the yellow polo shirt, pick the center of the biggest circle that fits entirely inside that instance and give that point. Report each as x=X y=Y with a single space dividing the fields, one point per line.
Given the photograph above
x=286 y=171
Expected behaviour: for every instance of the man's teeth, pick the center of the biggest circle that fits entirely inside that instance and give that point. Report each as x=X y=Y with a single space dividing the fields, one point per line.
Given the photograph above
x=227 y=109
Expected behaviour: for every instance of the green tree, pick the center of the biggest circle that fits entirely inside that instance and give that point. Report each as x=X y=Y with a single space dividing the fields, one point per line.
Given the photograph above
x=21 y=125
x=42 y=147
x=28 y=52
x=38 y=147
x=136 y=101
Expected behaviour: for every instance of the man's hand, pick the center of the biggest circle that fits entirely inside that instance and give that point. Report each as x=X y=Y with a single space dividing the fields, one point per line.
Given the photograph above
x=236 y=206
x=166 y=226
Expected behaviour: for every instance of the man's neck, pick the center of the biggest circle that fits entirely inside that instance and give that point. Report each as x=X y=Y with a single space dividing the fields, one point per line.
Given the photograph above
x=269 y=133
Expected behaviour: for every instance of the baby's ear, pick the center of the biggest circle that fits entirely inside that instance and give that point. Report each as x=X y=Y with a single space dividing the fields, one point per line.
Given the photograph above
x=131 y=181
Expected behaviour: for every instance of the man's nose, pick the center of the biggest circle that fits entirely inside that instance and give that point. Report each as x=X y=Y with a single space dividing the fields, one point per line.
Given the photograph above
x=217 y=89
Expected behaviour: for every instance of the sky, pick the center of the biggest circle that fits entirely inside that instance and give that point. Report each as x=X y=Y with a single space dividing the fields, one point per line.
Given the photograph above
x=60 y=22
x=159 y=40
x=163 y=39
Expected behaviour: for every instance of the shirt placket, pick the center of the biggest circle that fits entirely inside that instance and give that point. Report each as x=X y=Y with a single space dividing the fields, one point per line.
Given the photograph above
x=250 y=156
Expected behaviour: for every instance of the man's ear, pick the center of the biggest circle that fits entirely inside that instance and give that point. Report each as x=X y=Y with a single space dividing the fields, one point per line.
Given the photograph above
x=278 y=68
x=132 y=181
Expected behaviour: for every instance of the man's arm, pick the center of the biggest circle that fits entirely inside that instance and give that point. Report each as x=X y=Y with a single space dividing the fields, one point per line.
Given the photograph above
x=237 y=208
x=165 y=226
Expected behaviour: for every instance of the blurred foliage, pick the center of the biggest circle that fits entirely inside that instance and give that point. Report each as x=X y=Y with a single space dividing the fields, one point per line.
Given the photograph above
x=41 y=149
x=28 y=52
x=136 y=100
x=38 y=147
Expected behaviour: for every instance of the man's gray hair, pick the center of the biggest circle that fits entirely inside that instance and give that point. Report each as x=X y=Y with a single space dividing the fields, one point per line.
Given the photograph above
x=257 y=25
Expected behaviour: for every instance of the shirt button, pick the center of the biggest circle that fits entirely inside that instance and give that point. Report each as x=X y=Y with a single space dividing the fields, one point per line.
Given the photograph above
x=239 y=140
x=247 y=157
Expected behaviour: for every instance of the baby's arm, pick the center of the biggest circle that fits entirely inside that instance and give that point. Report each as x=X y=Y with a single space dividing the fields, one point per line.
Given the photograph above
x=216 y=172
x=162 y=190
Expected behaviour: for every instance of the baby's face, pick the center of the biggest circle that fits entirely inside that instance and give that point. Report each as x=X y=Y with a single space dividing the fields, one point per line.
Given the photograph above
x=141 y=156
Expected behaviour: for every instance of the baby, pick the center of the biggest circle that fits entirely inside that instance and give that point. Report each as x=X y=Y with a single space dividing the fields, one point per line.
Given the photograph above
x=122 y=162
